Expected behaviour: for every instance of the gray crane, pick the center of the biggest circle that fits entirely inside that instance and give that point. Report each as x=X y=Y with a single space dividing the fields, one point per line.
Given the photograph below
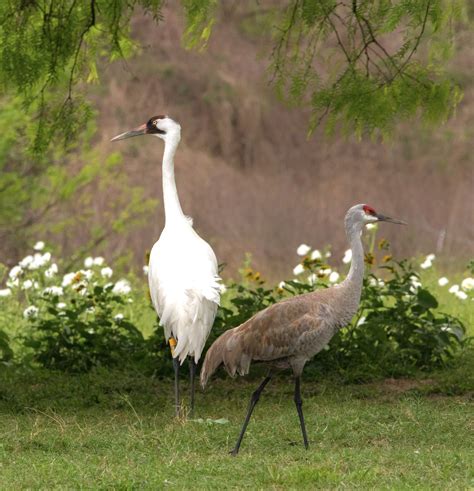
x=289 y=333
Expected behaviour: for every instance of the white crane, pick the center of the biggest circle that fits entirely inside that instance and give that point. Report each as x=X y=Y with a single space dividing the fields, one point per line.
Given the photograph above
x=289 y=333
x=183 y=272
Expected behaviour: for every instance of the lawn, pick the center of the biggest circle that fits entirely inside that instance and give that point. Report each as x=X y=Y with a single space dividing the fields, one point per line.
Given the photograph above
x=117 y=430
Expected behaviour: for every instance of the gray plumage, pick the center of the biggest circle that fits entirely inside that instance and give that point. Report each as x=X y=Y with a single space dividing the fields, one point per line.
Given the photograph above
x=289 y=333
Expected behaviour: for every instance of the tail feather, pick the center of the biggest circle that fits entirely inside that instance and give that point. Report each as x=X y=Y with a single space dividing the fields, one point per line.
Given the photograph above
x=226 y=350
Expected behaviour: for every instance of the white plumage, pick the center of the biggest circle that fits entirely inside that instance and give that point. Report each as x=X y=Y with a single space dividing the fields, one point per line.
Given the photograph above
x=184 y=287
x=182 y=274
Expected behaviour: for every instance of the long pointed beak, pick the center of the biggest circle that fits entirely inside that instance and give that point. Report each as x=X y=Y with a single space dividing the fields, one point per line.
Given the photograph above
x=383 y=218
x=141 y=130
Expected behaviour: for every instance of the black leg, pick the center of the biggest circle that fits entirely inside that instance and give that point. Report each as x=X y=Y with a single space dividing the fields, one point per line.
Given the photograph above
x=299 y=408
x=253 y=402
x=176 y=385
x=192 y=373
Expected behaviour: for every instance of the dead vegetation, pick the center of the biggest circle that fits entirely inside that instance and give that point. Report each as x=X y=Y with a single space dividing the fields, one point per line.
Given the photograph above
x=249 y=176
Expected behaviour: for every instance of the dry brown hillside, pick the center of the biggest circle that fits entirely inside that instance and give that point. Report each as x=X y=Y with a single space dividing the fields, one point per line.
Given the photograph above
x=246 y=171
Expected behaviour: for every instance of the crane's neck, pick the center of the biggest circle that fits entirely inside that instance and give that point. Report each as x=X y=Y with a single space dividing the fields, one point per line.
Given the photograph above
x=173 y=211
x=356 y=272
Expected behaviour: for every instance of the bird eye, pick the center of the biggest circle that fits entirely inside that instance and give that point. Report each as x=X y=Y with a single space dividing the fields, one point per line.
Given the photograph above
x=155 y=122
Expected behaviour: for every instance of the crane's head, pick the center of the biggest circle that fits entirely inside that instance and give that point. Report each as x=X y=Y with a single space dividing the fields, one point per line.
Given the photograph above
x=160 y=126
x=360 y=215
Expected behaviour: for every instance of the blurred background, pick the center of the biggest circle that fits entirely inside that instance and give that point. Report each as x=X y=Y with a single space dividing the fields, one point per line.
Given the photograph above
x=246 y=172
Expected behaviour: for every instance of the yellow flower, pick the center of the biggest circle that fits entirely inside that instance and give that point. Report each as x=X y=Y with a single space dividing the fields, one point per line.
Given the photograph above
x=384 y=244
x=77 y=277
x=369 y=258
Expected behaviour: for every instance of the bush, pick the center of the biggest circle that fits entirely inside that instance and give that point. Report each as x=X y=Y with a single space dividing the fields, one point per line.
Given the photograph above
x=83 y=319
x=75 y=322
x=397 y=330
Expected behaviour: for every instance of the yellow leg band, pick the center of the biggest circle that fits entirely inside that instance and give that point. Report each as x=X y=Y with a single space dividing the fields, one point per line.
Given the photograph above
x=172 y=343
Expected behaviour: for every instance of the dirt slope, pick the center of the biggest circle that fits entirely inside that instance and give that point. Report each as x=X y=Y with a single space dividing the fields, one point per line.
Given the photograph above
x=248 y=175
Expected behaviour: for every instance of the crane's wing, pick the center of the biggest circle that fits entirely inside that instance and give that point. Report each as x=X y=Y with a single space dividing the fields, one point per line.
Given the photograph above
x=287 y=329
x=185 y=290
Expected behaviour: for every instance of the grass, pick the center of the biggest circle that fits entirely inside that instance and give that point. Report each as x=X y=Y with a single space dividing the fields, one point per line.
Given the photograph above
x=111 y=429
x=117 y=430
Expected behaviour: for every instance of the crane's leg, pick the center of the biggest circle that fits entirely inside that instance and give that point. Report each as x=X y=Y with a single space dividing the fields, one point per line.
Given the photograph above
x=172 y=343
x=253 y=402
x=299 y=408
x=192 y=373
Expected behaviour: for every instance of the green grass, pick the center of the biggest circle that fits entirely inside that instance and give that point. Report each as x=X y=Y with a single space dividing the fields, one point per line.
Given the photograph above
x=116 y=430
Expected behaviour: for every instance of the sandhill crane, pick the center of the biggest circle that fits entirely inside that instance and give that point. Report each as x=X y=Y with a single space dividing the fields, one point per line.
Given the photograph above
x=289 y=333
x=183 y=272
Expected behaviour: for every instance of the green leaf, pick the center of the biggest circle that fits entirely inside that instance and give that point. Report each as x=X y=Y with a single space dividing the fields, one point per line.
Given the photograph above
x=426 y=299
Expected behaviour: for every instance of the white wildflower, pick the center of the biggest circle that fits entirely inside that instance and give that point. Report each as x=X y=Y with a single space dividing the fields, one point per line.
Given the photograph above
x=326 y=271
x=39 y=260
x=5 y=292
x=87 y=274
x=145 y=270
x=39 y=246
x=89 y=262
x=122 y=287
x=106 y=272
x=361 y=321
x=98 y=261
x=67 y=279
x=460 y=294
x=316 y=254
x=36 y=285
x=382 y=282
x=298 y=269
x=415 y=283
x=61 y=305
x=430 y=257
x=334 y=277
x=53 y=290
x=31 y=312
x=303 y=249
x=27 y=285
x=281 y=284
x=328 y=254
x=467 y=284
x=13 y=283
x=372 y=281
x=443 y=281
x=15 y=272
x=454 y=289
x=312 y=279
x=26 y=261
x=347 y=256
x=426 y=264
x=222 y=288
x=51 y=271
x=118 y=317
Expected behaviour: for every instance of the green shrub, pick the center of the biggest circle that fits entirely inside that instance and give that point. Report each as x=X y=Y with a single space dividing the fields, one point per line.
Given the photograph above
x=76 y=321
x=83 y=319
x=397 y=331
